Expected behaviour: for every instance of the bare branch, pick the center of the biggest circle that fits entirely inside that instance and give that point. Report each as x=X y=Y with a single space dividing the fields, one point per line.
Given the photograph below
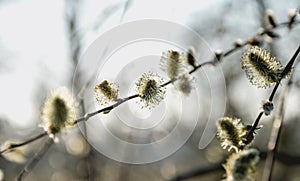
x=277 y=123
x=15 y=145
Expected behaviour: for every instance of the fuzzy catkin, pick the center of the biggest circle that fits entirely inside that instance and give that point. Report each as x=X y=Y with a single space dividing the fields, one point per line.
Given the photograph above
x=106 y=92
x=231 y=133
x=58 y=111
x=149 y=89
x=262 y=69
x=241 y=166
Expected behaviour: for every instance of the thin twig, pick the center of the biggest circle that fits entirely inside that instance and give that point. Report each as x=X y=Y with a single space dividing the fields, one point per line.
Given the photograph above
x=109 y=108
x=126 y=7
x=276 y=130
x=273 y=140
x=75 y=49
x=30 y=165
x=15 y=145
x=89 y=156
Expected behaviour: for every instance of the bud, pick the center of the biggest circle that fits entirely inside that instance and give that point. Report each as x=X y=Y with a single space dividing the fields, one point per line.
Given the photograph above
x=219 y=55
x=292 y=17
x=262 y=69
x=106 y=92
x=150 y=90
x=238 y=43
x=270 y=19
x=58 y=111
x=267 y=107
x=191 y=57
x=242 y=165
x=272 y=34
x=255 y=41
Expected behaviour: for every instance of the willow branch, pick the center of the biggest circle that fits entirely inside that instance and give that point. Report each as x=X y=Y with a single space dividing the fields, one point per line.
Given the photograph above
x=121 y=101
x=284 y=73
x=212 y=62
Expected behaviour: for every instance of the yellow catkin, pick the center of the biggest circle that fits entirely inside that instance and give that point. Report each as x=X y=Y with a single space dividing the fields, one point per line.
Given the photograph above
x=150 y=90
x=106 y=92
x=58 y=111
x=241 y=166
x=262 y=69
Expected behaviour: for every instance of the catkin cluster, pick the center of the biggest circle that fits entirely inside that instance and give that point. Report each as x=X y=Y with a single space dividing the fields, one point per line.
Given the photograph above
x=150 y=86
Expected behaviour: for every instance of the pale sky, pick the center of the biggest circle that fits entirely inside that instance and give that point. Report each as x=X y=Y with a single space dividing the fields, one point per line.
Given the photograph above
x=33 y=38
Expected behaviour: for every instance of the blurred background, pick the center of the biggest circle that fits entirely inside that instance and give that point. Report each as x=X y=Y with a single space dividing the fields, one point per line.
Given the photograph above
x=41 y=43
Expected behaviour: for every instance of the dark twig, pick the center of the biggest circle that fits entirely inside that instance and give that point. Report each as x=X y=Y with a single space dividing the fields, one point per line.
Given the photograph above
x=120 y=101
x=273 y=139
x=109 y=108
x=277 y=126
x=106 y=109
x=15 y=145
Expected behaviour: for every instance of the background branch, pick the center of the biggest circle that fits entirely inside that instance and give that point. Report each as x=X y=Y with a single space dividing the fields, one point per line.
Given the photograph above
x=277 y=125
x=36 y=158
x=282 y=157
